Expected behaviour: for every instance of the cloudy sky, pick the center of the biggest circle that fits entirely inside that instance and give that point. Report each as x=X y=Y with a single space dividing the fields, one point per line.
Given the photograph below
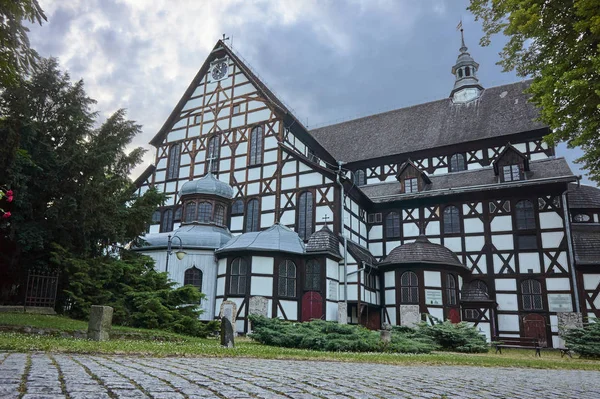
x=327 y=60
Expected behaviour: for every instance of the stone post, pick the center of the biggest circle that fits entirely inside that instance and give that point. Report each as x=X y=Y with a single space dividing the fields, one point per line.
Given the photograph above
x=386 y=333
x=227 y=339
x=342 y=314
x=100 y=323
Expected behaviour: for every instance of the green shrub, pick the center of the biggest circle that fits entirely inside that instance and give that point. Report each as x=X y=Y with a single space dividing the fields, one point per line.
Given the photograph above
x=140 y=296
x=459 y=337
x=330 y=336
x=585 y=341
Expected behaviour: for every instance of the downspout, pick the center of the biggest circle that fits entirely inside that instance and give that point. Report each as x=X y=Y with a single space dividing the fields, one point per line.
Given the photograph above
x=570 y=247
x=342 y=211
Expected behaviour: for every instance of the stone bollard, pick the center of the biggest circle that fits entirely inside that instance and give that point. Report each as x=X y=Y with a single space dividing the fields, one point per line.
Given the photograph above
x=342 y=313
x=100 y=323
x=386 y=333
x=226 y=333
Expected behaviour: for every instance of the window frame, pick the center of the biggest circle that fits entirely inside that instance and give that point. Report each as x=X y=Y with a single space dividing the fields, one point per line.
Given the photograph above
x=451 y=290
x=207 y=212
x=414 y=188
x=410 y=288
x=193 y=206
x=525 y=216
x=287 y=279
x=390 y=225
x=460 y=166
x=528 y=299
x=166 y=222
x=238 y=212
x=173 y=165
x=257 y=144
x=307 y=212
x=254 y=216
x=315 y=276
x=213 y=145
x=360 y=177
x=512 y=168
x=195 y=278
x=452 y=222
x=240 y=279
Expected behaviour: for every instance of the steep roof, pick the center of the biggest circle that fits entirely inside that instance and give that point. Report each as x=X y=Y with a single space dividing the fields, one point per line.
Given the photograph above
x=586 y=244
x=451 y=183
x=324 y=241
x=207 y=184
x=361 y=253
x=422 y=251
x=499 y=111
x=583 y=196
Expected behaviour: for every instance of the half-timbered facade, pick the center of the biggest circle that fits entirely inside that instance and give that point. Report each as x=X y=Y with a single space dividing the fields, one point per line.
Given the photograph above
x=456 y=209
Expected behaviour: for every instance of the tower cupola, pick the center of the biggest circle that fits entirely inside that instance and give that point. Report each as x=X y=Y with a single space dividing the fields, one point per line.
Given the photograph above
x=466 y=85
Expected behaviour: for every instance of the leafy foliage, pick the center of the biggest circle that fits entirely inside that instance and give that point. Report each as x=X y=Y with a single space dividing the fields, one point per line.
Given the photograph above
x=557 y=42
x=141 y=296
x=330 y=336
x=459 y=337
x=16 y=57
x=585 y=341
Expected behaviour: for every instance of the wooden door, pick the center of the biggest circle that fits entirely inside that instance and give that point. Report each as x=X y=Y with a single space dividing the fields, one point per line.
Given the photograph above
x=454 y=315
x=312 y=306
x=534 y=326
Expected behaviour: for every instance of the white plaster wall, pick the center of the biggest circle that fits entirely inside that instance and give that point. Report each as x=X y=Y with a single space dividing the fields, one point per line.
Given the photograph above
x=390 y=297
x=261 y=286
x=508 y=322
x=331 y=311
x=591 y=281
x=390 y=279
x=333 y=269
x=505 y=284
x=473 y=225
x=501 y=223
x=550 y=220
x=262 y=265
x=558 y=284
x=432 y=279
x=391 y=311
x=290 y=308
x=529 y=261
x=507 y=301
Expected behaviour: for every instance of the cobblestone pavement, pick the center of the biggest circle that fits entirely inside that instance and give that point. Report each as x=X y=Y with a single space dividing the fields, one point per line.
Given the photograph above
x=53 y=376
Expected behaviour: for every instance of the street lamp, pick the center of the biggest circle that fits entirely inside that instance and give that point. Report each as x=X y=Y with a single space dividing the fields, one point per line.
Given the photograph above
x=180 y=253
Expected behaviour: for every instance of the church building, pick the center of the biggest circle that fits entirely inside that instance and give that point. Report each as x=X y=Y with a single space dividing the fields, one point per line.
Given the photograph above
x=454 y=209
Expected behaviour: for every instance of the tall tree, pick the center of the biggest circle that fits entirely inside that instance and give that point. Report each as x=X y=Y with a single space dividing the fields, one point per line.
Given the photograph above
x=557 y=42
x=16 y=56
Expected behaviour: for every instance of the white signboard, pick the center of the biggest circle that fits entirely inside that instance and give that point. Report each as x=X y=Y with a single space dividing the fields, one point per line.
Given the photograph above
x=560 y=303
x=433 y=297
x=333 y=290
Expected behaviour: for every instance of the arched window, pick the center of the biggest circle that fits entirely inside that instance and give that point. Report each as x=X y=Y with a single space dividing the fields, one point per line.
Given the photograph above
x=178 y=212
x=212 y=151
x=205 y=212
x=193 y=276
x=312 y=280
x=409 y=288
x=190 y=212
x=173 y=163
x=220 y=214
x=451 y=290
x=359 y=177
x=252 y=213
x=525 y=215
x=451 y=220
x=237 y=277
x=531 y=294
x=305 y=215
x=457 y=163
x=238 y=207
x=167 y=221
x=287 y=279
x=156 y=217
x=256 y=145
x=392 y=225
x=467 y=71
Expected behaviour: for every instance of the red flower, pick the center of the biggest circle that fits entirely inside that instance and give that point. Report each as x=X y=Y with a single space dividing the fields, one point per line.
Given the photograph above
x=9 y=193
x=6 y=215
x=9 y=199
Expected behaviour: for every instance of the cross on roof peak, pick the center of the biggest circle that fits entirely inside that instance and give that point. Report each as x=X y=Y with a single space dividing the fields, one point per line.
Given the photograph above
x=325 y=218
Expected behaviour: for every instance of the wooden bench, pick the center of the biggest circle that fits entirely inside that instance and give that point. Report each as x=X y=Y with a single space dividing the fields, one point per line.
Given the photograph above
x=518 y=343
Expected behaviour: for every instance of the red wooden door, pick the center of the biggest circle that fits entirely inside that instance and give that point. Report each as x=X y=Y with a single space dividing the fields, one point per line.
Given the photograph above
x=312 y=306
x=454 y=315
x=534 y=326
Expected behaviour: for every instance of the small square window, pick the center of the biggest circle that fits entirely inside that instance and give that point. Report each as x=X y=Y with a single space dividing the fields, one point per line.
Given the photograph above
x=511 y=173
x=411 y=185
x=236 y=109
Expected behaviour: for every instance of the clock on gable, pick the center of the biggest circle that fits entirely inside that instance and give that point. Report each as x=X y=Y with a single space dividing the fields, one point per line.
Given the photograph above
x=218 y=69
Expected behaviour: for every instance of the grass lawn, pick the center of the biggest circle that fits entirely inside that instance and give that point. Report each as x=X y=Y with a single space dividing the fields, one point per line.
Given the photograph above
x=190 y=346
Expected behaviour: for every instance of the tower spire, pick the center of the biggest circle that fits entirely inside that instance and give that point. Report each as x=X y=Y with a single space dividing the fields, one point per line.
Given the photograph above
x=466 y=84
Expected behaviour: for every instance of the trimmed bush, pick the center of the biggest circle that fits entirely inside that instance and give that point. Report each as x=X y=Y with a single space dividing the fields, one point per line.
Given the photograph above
x=459 y=337
x=585 y=341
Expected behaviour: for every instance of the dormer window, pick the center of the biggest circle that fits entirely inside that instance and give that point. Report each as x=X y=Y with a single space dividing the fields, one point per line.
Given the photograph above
x=511 y=164
x=411 y=185
x=511 y=173
x=411 y=178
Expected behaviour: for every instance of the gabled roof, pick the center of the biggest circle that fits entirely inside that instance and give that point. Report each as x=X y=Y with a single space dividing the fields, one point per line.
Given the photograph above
x=144 y=175
x=411 y=163
x=499 y=111
x=586 y=244
x=324 y=241
x=583 y=197
x=541 y=171
x=510 y=148
x=361 y=253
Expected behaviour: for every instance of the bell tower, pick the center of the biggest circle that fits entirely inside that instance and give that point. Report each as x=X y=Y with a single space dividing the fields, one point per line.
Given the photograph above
x=466 y=85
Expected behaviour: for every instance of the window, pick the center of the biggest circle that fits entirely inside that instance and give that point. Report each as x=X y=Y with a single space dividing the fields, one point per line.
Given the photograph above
x=451 y=220
x=256 y=145
x=528 y=241
x=236 y=109
x=310 y=154
x=511 y=172
x=312 y=281
x=471 y=314
x=467 y=71
x=252 y=212
x=409 y=288
x=287 y=279
x=190 y=211
x=581 y=217
x=374 y=218
x=193 y=276
x=305 y=215
x=359 y=177
x=525 y=215
x=178 y=212
x=212 y=152
x=238 y=207
x=457 y=163
x=156 y=216
x=451 y=290
x=237 y=277
x=392 y=225
x=167 y=221
x=531 y=294
x=370 y=281
x=411 y=185
x=460 y=74
x=205 y=212
x=220 y=214
x=173 y=163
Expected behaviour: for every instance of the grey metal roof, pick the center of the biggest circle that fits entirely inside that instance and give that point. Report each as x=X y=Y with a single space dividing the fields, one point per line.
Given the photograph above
x=583 y=196
x=499 y=111
x=479 y=179
x=586 y=244
x=276 y=238
x=207 y=184
x=324 y=241
x=422 y=251
x=361 y=253
x=191 y=235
